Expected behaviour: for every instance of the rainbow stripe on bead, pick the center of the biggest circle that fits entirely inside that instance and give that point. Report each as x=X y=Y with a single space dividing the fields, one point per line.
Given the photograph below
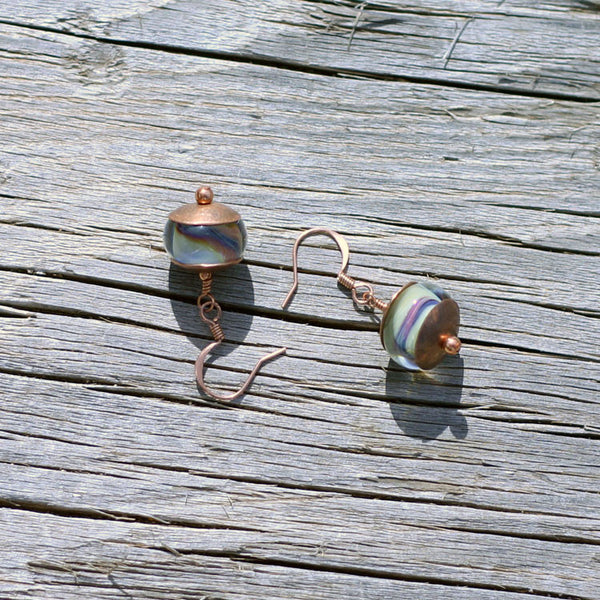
x=404 y=318
x=209 y=246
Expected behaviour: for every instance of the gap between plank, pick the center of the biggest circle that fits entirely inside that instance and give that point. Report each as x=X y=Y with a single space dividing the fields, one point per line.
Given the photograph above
x=512 y=241
x=40 y=507
x=369 y=572
x=290 y=65
x=353 y=492
x=509 y=240
x=282 y=315
x=476 y=410
x=334 y=324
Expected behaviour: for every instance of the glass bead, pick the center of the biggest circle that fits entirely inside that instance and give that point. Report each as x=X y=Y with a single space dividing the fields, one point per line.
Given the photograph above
x=404 y=318
x=207 y=246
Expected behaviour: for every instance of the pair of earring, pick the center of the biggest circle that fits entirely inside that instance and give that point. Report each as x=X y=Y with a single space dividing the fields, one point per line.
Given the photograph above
x=418 y=328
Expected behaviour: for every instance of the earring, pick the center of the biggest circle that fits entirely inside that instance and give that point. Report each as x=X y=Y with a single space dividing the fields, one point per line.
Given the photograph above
x=420 y=323
x=205 y=237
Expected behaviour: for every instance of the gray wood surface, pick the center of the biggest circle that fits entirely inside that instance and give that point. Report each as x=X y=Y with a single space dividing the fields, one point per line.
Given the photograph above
x=548 y=48
x=462 y=148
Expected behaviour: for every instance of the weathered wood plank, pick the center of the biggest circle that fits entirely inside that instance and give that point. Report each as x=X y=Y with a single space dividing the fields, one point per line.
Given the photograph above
x=336 y=348
x=491 y=190
x=96 y=472
x=106 y=560
x=336 y=472
x=157 y=363
x=386 y=255
x=551 y=48
x=364 y=454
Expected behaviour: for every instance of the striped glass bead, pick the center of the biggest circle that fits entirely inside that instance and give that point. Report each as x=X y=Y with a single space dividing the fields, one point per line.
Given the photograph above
x=404 y=318
x=206 y=246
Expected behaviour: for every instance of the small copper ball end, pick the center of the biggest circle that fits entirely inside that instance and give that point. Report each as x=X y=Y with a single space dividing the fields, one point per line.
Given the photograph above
x=204 y=195
x=451 y=345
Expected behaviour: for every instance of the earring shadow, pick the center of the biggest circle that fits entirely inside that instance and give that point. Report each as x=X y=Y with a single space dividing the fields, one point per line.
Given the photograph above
x=234 y=284
x=428 y=402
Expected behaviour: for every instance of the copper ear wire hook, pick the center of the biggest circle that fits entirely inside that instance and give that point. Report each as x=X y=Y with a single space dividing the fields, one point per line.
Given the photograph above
x=342 y=244
x=233 y=396
x=419 y=324
x=367 y=298
x=206 y=304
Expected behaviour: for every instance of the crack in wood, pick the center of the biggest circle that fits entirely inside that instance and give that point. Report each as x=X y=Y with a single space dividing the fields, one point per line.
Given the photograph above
x=333 y=324
x=372 y=573
x=46 y=437
x=116 y=387
x=94 y=513
x=63 y=469
x=349 y=491
x=513 y=241
x=448 y=55
x=557 y=211
x=291 y=65
x=483 y=12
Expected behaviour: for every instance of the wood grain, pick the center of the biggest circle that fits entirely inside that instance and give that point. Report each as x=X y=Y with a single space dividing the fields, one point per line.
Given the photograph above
x=123 y=470
x=515 y=46
x=111 y=559
x=338 y=475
